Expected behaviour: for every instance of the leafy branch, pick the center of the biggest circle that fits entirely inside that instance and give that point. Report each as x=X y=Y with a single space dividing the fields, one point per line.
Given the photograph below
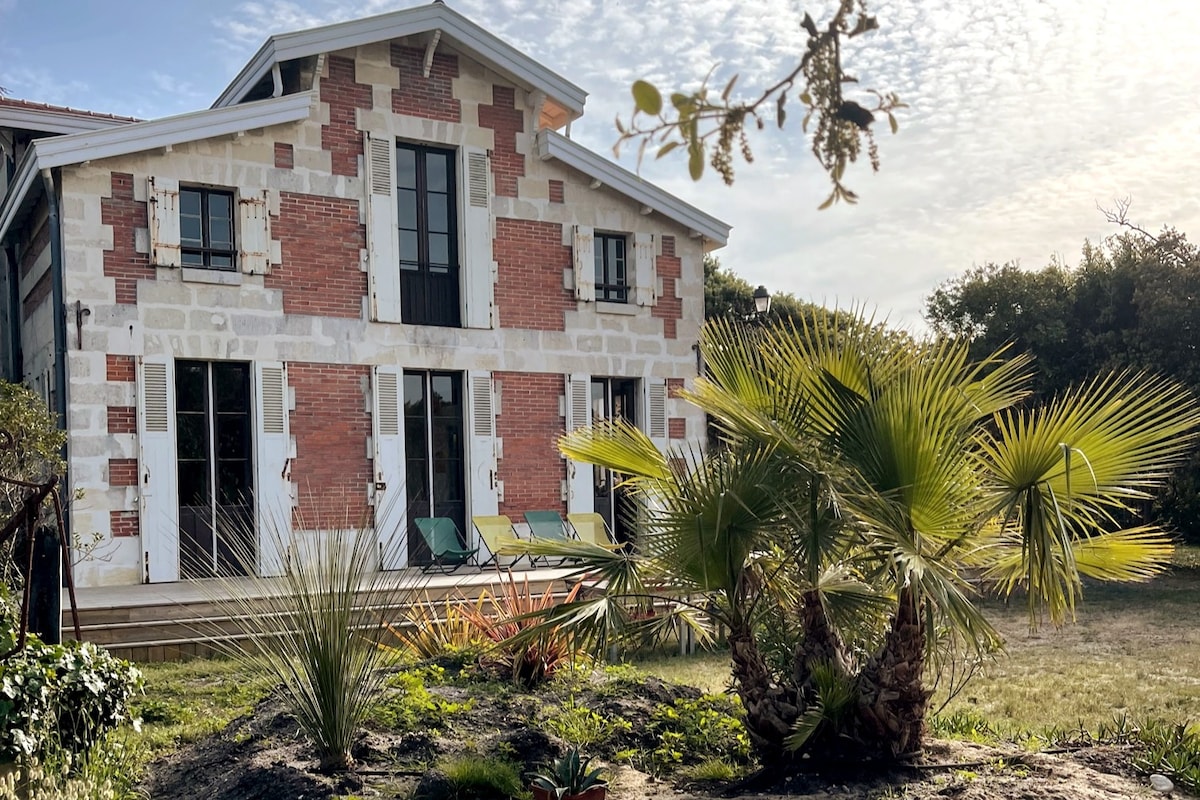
x=711 y=127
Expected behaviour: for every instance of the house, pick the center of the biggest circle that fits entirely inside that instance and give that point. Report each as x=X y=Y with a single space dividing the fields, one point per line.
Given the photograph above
x=377 y=276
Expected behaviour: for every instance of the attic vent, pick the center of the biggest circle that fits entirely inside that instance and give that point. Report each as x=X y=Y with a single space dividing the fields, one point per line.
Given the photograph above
x=272 y=400
x=380 y=166
x=388 y=404
x=483 y=423
x=477 y=179
x=658 y=411
x=154 y=397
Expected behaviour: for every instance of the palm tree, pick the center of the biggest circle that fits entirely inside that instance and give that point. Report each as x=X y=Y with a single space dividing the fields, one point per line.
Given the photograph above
x=862 y=478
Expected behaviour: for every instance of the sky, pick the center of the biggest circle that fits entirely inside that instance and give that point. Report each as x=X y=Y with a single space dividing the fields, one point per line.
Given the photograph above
x=1023 y=115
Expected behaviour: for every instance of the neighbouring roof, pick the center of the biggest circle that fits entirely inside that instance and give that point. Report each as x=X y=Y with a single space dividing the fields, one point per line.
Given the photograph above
x=44 y=118
x=564 y=100
x=554 y=145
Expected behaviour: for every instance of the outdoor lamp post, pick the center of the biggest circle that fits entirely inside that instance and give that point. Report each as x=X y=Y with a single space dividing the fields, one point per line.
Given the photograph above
x=762 y=301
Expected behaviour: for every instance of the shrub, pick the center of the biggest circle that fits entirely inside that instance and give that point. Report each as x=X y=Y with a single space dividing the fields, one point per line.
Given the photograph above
x=439 y=629
x=710 y=727
x=413 y=707
x=580 y=726
x=475 y=776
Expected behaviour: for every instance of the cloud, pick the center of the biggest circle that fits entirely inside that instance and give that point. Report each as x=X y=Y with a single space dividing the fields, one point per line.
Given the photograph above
x=40 y=84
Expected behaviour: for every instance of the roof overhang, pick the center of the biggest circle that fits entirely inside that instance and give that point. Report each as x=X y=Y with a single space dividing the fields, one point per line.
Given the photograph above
x=47 y=120
x=457 y=31
x=554 y=145
x=21 y=193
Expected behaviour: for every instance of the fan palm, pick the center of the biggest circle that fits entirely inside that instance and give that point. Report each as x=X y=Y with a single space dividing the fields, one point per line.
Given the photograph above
x=860 y=476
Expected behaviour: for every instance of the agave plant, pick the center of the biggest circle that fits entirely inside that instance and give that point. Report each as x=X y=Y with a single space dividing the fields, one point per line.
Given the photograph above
x=859 y=476
x=569 y=776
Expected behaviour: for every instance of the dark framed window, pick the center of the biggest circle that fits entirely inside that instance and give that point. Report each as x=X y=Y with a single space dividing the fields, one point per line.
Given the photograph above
x=426 y=203
x=206 y=228
x=612 y=276
x=434 y=452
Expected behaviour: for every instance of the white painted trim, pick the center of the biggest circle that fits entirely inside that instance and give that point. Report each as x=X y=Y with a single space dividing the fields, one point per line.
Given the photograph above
x=551 y=144
x=54 y=121
x=462 y=33
x=140 y=136
x=23 y=180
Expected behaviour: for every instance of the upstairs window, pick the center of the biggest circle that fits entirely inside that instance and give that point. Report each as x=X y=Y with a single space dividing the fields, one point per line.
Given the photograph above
x=206 y=229
x=426 y=203
x=612 y=277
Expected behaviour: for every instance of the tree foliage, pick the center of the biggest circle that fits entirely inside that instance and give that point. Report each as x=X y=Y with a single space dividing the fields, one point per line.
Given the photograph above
x=712 y=126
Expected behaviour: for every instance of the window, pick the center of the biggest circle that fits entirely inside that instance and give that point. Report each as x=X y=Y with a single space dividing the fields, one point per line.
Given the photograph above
x=613 y=399
x=612 y=280
x=425 y=198
x=206 y=228
x=435 y=465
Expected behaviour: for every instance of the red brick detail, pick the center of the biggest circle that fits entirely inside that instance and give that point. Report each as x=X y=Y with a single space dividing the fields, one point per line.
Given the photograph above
x=530 y=259
x=30 y=255
x=123 y=263
x=677 y=428
x=418 y=96
x=331 y=426
x=556 y=192
x=341 y=137
x=122 y=472
x=506 y=121
x=669 y=308
x=37 y=295
x=122 y=419
x=285 y=155
x=123 y=523
x=320 y=239
x=530 y=424
x=674 y=386
x=120 y=368
x=668 y=246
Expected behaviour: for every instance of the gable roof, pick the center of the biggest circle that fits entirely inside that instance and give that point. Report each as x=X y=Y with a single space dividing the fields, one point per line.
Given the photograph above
x=457 y=31
x=551 y=144
x=44 y=118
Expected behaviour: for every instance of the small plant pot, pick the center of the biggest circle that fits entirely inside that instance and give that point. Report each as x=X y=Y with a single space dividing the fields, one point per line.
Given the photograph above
x=598 y=792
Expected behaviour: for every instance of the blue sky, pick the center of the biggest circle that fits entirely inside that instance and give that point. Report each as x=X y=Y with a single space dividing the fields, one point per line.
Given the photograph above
x=1024 y=114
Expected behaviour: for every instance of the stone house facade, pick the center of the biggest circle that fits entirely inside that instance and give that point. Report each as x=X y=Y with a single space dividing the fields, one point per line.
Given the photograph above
x=374 y=281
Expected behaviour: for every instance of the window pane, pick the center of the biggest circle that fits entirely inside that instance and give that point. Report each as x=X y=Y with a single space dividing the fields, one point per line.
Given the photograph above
x=233 y=436
x=190 y=230
x=192 y=436
x=189 y=202
x=193 y=483
x=599 y=259
x=192 y=259
x=221 y=262
x=406 y=168
x=407 y=199
x=439 y=248
x=408 y=246
x=191 y=393
x=220 y=206
x=231 y=383
x=443 y=391
x=435 y=172
x=439 y=218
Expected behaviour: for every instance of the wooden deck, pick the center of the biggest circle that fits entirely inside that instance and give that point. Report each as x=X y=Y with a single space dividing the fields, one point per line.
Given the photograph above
x=171 y=621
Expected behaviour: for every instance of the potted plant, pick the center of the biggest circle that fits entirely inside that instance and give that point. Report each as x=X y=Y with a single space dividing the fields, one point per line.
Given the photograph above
x=570 y=779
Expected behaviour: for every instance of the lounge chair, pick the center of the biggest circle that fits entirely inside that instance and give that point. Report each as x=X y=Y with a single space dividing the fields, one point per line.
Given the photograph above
x=445 y=544
x=493 y=533
x=548 y=525
x=590 y=527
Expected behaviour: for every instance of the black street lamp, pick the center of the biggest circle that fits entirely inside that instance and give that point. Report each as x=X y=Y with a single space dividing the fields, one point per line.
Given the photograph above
x=762 y=301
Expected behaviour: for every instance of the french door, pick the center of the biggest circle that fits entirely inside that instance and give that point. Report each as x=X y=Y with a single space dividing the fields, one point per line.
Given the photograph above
x=434 y=452
x=613 y=398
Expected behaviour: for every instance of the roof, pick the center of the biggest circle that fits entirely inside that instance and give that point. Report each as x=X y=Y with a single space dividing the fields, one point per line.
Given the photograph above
x=457 y=31
x=554 y=145
x=42 y=117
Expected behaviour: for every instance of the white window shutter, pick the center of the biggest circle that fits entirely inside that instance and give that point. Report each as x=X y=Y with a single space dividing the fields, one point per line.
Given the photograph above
x=478 y=266
x=254 y=234
x=164 y=221
x=272 y=467
x=645 y=277
x=383 y=245
x=580 y=489
x=387 y=434
x=656 y=412
x=584 y=255
x=485 y=496
x=158 y=488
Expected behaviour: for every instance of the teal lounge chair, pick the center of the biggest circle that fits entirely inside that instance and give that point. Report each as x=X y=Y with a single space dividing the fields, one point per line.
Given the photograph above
x=547 y=525
x=445 y=544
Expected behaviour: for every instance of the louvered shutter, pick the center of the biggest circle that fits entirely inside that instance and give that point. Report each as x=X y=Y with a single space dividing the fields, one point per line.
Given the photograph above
x=584 y=256
x=164 y=221
x=580 y=488
x=479 y=271
x=158 y=490
x=656 y=412
x=485 y=485
x=387 y=434
x=254 y=234
x=645 y=277
x=272 y=467
x=383 y=244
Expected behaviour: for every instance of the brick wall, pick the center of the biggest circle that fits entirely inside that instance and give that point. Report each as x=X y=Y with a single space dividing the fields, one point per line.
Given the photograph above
x=506 y=121
x=121 y=369
x=341 y=137
x=418 y=96
x=331 y=427
x=123 y=263
x=669 y=307
x=122 y=419
x=285 y=156
x=320 y=238
x=124 y=523
x=122 y=472
x=530 y=259
x=557 y=194
x=530 y=423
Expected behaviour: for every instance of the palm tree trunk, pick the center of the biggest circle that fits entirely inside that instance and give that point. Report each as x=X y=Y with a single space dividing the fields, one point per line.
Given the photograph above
x=770 y=708
x=819 y=642
x=892 y=694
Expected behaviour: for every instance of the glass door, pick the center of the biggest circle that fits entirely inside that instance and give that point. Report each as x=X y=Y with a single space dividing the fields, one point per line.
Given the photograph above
x=433 y=452
x=614 y=398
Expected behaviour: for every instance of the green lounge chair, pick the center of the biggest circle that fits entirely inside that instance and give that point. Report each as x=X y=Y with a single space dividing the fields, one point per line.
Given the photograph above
x=590 y=527
x=445 y=544
x=494 y=532
x=547 y=525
